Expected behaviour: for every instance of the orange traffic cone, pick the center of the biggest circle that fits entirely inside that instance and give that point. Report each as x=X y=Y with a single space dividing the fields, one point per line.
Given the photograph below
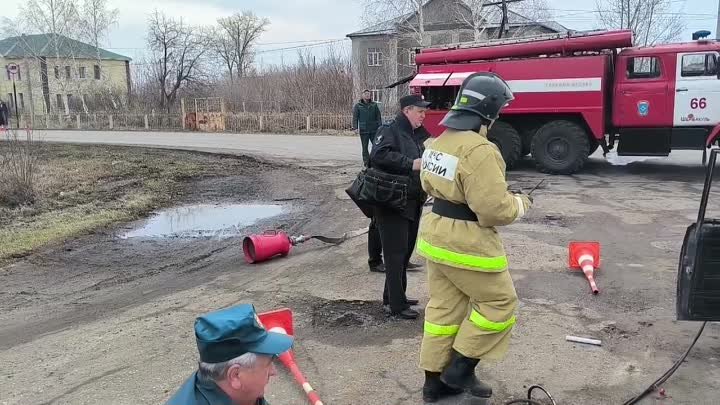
x=280 y=321
x=585 y=256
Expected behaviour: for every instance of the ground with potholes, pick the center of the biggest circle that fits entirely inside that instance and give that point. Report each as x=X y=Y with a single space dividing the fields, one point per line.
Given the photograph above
x=105 y=320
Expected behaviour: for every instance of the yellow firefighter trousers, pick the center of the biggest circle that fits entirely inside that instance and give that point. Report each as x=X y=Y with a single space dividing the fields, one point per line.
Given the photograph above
x=472 y=312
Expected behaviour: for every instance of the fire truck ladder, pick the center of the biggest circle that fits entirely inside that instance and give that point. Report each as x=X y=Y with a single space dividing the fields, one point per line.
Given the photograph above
x=522 y=40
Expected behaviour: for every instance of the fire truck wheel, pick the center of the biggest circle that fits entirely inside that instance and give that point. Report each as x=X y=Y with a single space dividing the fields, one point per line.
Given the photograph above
x=560 y=147
x=508 y=141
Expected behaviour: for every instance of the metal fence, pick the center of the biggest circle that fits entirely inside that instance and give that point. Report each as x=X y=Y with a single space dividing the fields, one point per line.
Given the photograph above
x=234 y=122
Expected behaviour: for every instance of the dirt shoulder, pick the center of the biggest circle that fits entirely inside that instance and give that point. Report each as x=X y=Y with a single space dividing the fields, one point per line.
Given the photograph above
x=79 y=189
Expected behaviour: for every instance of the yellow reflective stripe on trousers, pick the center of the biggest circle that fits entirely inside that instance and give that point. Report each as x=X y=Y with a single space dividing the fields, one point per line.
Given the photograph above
x=441 y=330
x=491 y=264
x=484 y=323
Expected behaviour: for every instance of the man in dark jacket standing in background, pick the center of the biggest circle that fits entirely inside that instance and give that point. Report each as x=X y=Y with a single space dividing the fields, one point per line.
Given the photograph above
x=4 y=114
x=398 y=149
x=366 y=121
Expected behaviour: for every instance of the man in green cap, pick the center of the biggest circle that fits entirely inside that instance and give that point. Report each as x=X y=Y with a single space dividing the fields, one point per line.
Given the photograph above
x=236 y=359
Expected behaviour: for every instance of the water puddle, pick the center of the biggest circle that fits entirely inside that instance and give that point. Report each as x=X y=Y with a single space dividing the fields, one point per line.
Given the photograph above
x=200 y=221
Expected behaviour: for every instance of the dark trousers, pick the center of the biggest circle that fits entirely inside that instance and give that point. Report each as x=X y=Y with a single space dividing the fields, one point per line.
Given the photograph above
x=398 y=235
x=366 y=138
x=374 y=244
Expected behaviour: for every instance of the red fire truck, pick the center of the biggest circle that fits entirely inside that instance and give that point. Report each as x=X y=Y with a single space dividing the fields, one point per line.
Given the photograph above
x=577 y=92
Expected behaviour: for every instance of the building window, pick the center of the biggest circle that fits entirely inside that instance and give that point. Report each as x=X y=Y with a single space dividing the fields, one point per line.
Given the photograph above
x=411 y=57
x=57 y=72
x=643 y=67
x=81 y=72
x=21 y=101
x=376 y=95
x=60 y=103
x=699 y=65
x=97 y=72
x=11 y=104
x=374 y=57
x=68 y=73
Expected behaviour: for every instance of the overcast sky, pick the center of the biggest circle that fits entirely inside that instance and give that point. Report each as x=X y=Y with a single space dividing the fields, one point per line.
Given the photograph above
x=311 y=20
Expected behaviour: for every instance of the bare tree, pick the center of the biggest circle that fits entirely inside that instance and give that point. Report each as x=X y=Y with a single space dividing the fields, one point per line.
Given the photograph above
x=18 y=159
x=97 y=20
x=223 y=47
x=651 y=21
x=398 y=12
x=235 y=39
x=482 y=15
x=178 y=52
x=59 y=17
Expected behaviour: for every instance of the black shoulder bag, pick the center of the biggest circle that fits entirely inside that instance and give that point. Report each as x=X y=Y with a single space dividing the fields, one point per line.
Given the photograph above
x=375 y=188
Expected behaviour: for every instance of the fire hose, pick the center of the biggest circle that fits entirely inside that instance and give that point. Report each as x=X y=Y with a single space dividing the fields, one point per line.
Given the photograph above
x=265 y=246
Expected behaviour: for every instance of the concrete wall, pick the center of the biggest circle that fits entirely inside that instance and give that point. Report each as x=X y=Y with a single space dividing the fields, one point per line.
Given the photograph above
x=113 y=76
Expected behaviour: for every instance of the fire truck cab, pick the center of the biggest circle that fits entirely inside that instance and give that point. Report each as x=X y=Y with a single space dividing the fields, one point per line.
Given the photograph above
x=578 y=92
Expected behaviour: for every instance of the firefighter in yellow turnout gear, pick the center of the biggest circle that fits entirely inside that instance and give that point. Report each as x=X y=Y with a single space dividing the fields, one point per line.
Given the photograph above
x=472 y=304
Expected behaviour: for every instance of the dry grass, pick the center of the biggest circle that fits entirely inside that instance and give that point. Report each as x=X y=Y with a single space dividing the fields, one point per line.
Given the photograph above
x=17 y=168
x=79 y=189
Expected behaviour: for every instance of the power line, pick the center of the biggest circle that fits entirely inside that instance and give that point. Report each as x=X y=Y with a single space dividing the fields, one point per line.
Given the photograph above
x=302 y=46
x=299 y=42
x=684 y=14
x=717 y=32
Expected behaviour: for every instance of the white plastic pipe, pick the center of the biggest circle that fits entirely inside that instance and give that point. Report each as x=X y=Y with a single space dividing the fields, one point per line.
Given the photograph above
x=583 y=340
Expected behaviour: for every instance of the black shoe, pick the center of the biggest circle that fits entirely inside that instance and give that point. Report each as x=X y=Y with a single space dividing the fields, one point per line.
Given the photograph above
x=434 y=389
x=408 y=301
x=460 y=374
x=406 y=314
x=377 y=268
x=414 y=267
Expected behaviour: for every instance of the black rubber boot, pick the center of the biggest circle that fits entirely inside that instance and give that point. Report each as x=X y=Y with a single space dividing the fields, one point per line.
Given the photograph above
x=460 y=374
x=434 y=389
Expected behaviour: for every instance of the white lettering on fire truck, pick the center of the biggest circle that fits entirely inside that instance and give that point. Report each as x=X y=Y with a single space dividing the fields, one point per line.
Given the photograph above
x=555 y=85
x=440 y=164
x=541 y=85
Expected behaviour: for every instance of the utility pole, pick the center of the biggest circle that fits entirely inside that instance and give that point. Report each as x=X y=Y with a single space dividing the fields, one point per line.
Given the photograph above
x=717 y=31
x=504 y=5
x=504 y=19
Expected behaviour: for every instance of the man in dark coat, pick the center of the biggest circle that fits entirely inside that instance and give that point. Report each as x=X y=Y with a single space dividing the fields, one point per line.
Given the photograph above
x=4 y=114
x=398 y=149
x=366 y=121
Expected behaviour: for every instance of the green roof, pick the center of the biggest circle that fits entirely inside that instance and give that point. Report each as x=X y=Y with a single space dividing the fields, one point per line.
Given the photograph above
x=46 y=44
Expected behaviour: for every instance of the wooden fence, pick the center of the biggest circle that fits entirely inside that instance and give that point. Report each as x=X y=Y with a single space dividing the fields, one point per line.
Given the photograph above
x=234 y=122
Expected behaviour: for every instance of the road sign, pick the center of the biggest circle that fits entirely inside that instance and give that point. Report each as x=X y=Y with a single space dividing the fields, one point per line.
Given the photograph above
x=13 y=69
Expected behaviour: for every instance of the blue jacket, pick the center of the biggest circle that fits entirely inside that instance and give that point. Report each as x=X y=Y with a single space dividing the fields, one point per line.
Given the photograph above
x=197 y=392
